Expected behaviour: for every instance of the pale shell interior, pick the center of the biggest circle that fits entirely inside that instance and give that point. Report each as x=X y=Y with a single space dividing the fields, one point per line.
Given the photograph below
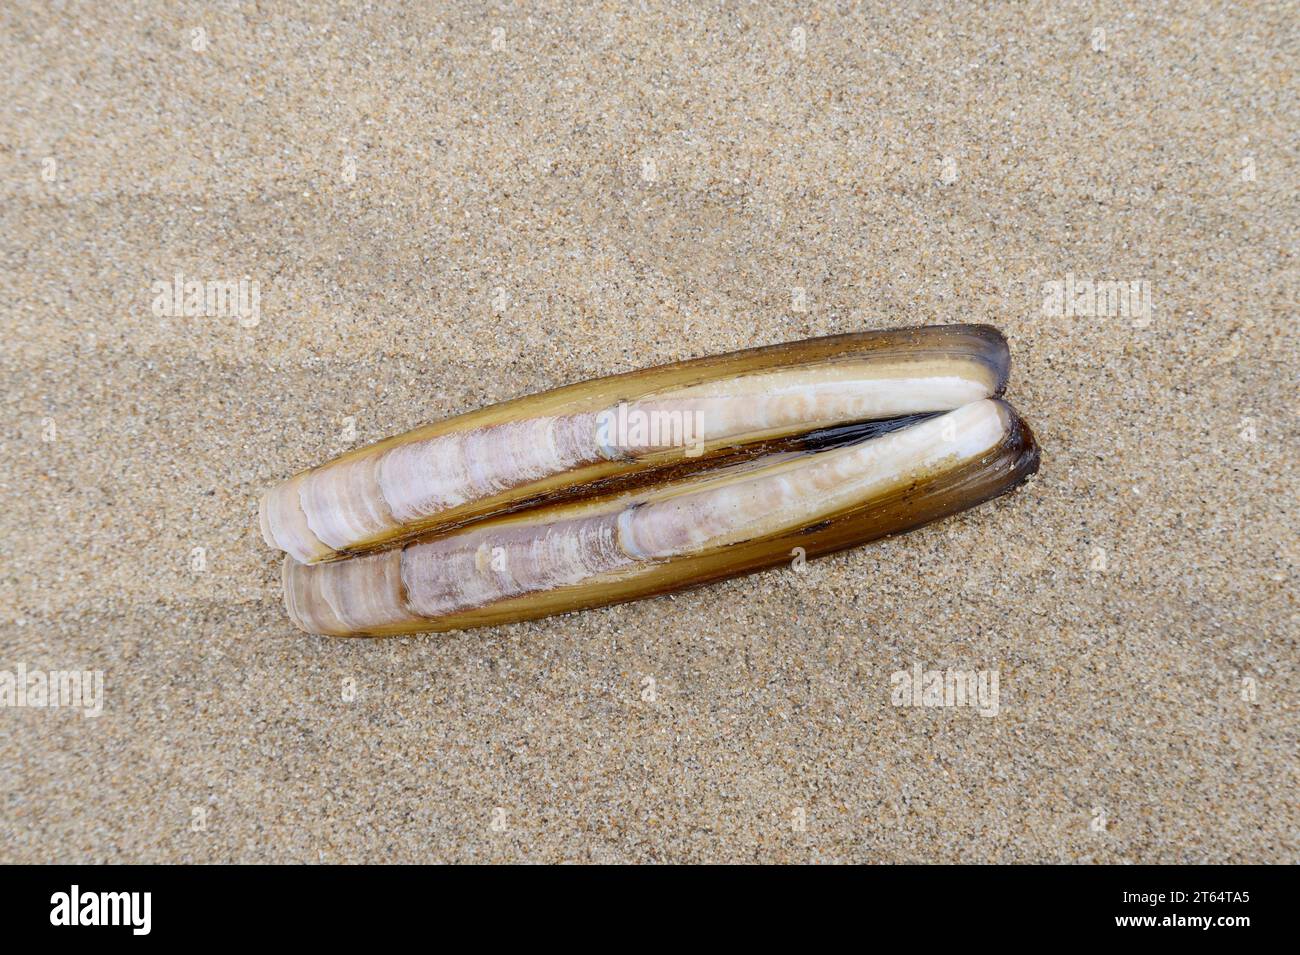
x=587 y=544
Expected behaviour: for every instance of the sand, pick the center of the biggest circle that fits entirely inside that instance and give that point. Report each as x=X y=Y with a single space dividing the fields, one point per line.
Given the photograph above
x=445 y=208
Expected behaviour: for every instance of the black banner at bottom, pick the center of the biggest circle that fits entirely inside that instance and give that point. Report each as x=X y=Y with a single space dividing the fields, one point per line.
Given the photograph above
x=137 y=904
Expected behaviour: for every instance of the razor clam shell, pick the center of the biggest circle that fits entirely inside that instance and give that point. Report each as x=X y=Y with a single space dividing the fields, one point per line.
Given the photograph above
x=548 y=447
x=706 y=527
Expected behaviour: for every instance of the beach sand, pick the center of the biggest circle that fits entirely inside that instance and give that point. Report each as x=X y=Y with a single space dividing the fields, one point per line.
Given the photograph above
x=443 y=209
